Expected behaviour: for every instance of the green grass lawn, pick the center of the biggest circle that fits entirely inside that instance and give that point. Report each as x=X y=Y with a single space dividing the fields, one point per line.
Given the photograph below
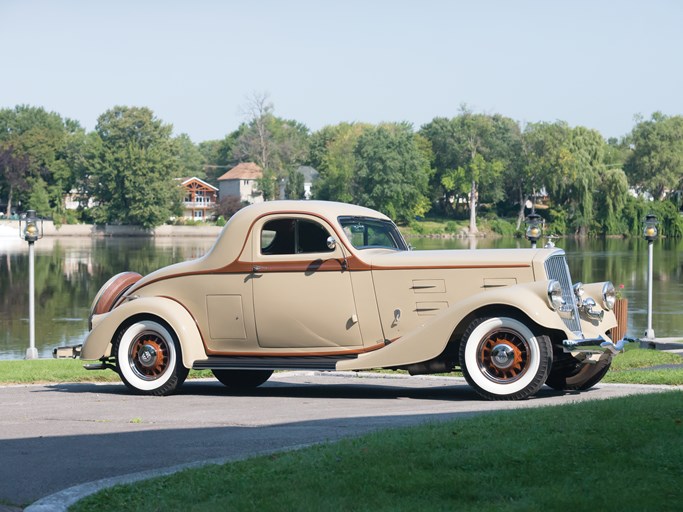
x=610 y=455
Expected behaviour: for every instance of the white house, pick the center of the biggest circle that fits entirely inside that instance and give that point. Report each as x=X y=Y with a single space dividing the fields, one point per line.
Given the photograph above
x=240 y=181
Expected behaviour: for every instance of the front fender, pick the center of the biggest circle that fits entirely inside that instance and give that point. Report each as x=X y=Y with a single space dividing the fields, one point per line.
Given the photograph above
x=430 y=339
x=98 y=343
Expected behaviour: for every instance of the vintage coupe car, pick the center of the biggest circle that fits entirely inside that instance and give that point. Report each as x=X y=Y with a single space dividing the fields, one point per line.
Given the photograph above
x=328 y=286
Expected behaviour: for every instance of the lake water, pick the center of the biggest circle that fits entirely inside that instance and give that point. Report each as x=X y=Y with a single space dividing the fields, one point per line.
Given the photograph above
x=69 y=271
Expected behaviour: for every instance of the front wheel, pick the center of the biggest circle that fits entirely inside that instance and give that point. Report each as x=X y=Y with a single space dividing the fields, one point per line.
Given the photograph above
x=242 y=378
x=502 y=359
x=148 y=358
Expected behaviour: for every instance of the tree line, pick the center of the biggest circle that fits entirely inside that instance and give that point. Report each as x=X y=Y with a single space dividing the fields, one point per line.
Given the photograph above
x=125 y=171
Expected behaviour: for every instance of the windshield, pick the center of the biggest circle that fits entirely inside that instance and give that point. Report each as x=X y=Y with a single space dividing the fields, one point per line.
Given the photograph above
x=367 y=233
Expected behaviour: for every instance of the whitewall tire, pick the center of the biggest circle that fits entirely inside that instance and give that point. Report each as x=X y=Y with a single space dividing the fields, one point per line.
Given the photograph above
x=148 y=358
x=502 y=359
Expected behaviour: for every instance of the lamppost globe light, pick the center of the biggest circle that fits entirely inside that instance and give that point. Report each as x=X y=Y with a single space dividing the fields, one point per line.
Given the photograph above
x=30 y=230
x=534 y=230
x=650 y=233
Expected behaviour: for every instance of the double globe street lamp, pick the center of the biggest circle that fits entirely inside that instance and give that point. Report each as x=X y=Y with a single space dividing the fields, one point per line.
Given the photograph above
x=31 y=230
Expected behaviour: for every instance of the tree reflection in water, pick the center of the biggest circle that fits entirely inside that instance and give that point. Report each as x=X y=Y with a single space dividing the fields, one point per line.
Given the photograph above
x=68 y=274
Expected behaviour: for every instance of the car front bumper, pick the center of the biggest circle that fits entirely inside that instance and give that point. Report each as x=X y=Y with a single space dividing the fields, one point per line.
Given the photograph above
x=595 y=346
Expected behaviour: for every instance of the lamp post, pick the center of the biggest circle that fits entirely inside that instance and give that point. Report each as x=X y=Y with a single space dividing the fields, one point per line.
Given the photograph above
x=534 y=230
x=650 y=233
x=30 y=230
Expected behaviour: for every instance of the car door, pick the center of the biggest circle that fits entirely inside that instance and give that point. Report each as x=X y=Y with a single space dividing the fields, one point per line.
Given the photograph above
x=303 y=296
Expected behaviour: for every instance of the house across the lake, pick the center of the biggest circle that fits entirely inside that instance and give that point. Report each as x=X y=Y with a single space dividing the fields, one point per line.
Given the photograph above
x=200 y=199
x=241 y=181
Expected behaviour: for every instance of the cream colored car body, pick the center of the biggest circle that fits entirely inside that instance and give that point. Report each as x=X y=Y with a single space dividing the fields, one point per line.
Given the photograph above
x=338 y=306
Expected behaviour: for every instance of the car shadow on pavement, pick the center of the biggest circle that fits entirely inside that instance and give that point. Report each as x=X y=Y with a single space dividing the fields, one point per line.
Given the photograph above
x=458 y=391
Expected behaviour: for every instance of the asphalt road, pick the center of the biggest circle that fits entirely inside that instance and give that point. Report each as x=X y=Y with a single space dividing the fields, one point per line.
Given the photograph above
x=53 y=437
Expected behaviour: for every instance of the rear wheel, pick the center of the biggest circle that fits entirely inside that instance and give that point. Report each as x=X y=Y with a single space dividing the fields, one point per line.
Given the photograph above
x=502 y=359
x=148 y=358
x=242 y=378
x=573 y=375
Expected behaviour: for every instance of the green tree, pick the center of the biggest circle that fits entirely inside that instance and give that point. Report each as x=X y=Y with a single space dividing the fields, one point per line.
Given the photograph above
x=470 y=153
x=39 y=199
x=190 y=160
x=392 y=171
x=294 y=185
x=219 y=155
x=134 y=170
x=332 y=154
x=14 y=174
x=44 y=142
x=572 y=183
x=613 y=194
x=655 y=164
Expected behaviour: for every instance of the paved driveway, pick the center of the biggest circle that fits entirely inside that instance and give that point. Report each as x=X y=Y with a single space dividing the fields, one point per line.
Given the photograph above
x=53 y=437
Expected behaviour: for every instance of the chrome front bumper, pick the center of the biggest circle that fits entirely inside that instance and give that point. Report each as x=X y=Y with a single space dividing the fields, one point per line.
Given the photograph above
x=600 y=345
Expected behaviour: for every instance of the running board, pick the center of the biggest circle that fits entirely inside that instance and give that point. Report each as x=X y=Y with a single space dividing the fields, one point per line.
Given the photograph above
x=270 y=363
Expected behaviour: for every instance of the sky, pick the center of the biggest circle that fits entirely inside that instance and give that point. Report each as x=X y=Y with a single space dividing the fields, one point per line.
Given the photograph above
x=196 y=63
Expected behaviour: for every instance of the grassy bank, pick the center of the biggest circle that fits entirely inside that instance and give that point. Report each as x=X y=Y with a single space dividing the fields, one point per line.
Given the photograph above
x=587 y=456
x=631 y=367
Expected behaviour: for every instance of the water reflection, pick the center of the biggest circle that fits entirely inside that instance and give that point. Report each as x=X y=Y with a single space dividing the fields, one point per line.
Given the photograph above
x=69 y=271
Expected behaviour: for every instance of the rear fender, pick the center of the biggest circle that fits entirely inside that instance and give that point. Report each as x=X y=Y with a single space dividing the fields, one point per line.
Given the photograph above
x=105 y=327
x=430 y=339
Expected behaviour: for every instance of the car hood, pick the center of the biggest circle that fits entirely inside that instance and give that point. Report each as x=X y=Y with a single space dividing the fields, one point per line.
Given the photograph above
x=479 y=258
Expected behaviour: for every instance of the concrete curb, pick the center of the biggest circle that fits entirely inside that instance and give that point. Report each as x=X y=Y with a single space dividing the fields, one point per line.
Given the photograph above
x=62 y=500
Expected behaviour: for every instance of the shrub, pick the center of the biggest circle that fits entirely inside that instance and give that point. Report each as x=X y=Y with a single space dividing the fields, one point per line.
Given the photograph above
x=451 y=227
x=502 y=227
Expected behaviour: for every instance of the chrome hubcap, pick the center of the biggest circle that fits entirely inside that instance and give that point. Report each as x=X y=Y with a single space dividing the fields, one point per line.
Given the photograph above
x=147 y=356
x=502 y=356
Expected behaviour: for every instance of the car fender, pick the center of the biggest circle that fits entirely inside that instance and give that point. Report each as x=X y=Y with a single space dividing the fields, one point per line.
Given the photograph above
x=98 y=343
x=430 y=339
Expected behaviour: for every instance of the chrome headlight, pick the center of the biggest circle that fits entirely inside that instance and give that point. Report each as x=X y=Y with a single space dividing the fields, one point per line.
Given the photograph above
x=609 y=295
x=555 y=300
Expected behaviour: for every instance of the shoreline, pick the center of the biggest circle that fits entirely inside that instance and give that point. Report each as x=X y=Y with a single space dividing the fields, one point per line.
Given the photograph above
x=10 y=229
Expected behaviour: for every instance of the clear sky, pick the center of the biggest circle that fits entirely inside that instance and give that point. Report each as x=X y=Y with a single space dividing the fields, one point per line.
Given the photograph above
x=194 y=63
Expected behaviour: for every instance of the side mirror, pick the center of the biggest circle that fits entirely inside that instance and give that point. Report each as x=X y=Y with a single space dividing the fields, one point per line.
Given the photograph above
x=331 y=243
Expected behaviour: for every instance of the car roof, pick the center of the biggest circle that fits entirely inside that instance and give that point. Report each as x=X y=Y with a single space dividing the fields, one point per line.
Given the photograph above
x=228 y=246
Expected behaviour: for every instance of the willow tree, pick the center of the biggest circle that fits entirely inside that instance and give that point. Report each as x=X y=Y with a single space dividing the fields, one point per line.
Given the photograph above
x=613 y=194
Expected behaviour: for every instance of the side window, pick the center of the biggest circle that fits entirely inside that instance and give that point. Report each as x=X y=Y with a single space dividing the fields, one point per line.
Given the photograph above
x=277 y=237
x=312 y=237
x=293 y=236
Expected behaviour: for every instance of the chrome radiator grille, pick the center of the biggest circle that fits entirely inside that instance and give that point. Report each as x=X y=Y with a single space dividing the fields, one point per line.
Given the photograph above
x=556 y=268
